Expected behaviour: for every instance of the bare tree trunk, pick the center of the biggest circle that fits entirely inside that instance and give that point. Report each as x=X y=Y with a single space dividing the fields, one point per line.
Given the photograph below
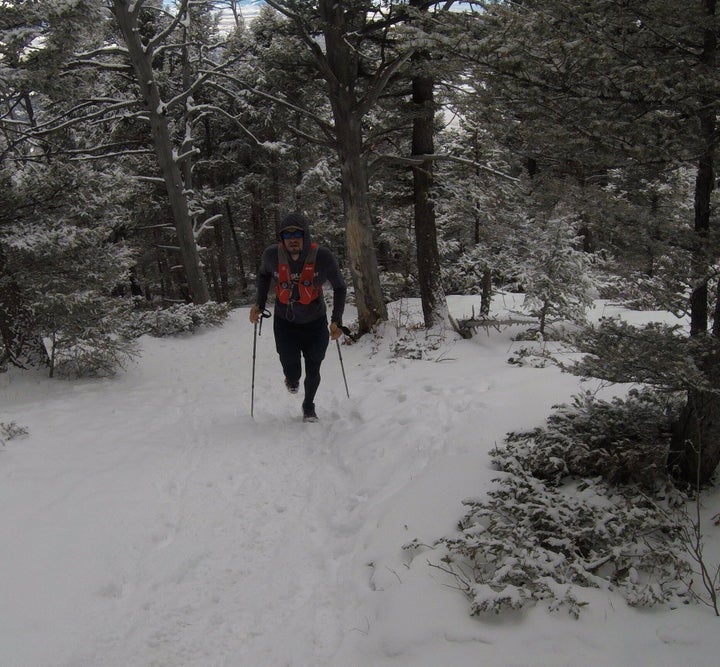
x=256 y=226
x=141 y=59
x=361 y=252
x=432 y=295
x=695 y=448
x=238 y=250
x=340 y=68
x=163 y=267
x=696 y=436
x=486 y=293
x=212 y=275
x=221 y=253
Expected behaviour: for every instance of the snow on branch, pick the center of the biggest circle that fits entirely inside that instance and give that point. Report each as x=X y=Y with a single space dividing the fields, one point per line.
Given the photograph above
x=151 y=179
x=180 y=18
x=179 y=157
x=54 y=124
x=419 y=159
x=114 y=50
x=380 y=81
x=94 y=64
x=327 y=127
x=84 y=157
x=234 y=119
x=206 y=224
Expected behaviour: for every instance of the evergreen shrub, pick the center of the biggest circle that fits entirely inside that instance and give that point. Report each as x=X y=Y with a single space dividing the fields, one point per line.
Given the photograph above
x=177 y=319
x=583 y=502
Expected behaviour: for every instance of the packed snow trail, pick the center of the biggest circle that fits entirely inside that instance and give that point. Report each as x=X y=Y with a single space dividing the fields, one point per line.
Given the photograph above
x=214 y=554
x=153 y=523
x=197 y=531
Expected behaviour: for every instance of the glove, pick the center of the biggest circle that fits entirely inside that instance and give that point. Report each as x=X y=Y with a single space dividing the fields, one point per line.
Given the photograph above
x=335 y=331
x=255 y=313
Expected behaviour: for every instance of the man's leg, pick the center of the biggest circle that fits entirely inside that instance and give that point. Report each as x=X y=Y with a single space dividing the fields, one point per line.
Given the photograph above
x=315 y=342
x=312 y=382
x=289 y=347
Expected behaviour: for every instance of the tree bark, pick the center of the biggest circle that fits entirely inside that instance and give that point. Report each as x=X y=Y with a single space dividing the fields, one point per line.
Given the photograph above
x=236 y=245
x=695 y=450
x=486 y=293
x=341 y=72
x=221 y=253
x=141 y=59
x=257 y=229
x=361 y=252
x=432 y=295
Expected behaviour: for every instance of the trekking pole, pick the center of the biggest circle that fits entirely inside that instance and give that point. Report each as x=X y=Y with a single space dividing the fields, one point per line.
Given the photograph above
x=252 y=388
x=263 y=315
x=346 y=331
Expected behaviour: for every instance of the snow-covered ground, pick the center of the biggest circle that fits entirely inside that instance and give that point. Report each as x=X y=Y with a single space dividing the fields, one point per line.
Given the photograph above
x=147 y=520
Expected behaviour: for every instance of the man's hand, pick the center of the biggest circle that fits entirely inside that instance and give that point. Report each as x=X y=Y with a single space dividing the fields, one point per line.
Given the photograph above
x=335 y=331
x=255 y=313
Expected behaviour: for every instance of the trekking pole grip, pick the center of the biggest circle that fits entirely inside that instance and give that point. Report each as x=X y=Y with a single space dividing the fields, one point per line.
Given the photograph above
x=264 y=313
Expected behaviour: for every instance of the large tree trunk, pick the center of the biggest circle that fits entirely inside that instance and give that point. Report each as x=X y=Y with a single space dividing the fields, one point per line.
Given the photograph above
x=141 y=60
x=22 y=343
x=222 y=265
x=434 y=303
x=695 y=449
x=257 y=229
x=361 y=252
x=242 y=278
x=696 y=436
x=341 y=71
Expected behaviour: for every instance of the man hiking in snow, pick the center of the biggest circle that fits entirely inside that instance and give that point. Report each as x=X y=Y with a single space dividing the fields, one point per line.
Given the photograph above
x=299 y=268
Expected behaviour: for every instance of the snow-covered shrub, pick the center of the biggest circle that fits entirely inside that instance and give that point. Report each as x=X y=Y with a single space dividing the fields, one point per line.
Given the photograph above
x=654 y=354
x=583 y=502
x=11 y=430
x=180 y=318
x=96 y=354
x=623 y=441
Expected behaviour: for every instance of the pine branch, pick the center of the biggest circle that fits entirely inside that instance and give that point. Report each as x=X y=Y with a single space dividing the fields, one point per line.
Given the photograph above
x=53 y=125
x=326 y=127
x=220 y=111
x=417 y=160
x=180 y=16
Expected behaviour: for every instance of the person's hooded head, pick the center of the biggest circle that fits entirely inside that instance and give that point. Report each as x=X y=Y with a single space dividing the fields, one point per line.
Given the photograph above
x=294 y=233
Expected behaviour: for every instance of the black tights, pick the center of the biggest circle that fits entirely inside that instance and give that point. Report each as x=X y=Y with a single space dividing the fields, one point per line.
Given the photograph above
x=295 y=342
x=293 y=371
x=312 y=381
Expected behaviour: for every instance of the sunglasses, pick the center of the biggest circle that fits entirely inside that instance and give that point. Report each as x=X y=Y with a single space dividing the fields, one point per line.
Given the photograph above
x=292 y=234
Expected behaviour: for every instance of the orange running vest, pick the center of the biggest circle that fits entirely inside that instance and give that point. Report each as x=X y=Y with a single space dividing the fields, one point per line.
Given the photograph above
x=284 y=285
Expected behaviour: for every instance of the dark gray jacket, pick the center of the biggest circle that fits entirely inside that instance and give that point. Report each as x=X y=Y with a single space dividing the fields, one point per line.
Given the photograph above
x=326 y=270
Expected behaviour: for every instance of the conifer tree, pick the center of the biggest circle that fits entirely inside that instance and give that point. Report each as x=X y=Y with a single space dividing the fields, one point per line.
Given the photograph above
x=60 y=246
x=35 y=38
x=604 y=85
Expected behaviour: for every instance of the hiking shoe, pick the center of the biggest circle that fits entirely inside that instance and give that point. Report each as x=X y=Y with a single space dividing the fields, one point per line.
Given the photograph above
x=292 y=387
x=309 y=413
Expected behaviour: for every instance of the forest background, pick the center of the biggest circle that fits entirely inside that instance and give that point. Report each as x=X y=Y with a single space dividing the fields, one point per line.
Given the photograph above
x=565 y=150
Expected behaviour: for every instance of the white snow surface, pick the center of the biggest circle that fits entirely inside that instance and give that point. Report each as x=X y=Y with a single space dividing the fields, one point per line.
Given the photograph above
x=148 y=520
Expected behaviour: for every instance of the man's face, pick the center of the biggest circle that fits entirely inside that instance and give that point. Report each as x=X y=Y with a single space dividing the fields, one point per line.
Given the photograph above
x=293 y=239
